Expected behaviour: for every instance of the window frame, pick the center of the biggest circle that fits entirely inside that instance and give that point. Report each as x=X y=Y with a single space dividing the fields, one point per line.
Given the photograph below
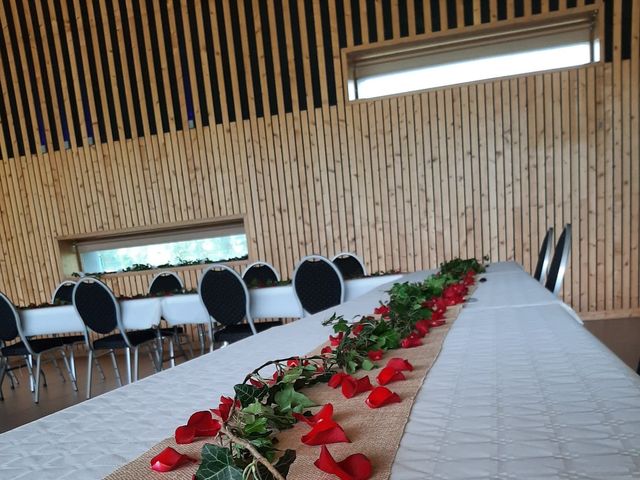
x=443 y=39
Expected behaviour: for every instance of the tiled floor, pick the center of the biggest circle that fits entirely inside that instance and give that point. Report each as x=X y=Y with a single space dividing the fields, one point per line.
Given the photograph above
x=622 y=336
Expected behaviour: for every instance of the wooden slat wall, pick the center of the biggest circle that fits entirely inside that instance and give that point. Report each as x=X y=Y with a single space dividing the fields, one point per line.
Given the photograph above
x=406 y=182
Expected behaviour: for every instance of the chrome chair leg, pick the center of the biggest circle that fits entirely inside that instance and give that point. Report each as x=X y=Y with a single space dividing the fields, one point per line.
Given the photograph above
x=127 y=355
x=116 y=370
x=172 y=357
x=38 y=364
x=89 y=371
x=12 y=376
x=71 y=374
x=100 y=370
x=3 y=371
x=57 y=367
x=27 y=359
x=136 y=364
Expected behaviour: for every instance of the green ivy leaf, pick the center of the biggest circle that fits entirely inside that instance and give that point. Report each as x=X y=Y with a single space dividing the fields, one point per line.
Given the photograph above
x=288 y=399
x=258 y=426
x=247 y=394
x=217 y=464
x=256 y=408
x=292 y=375
x=367 y=364
x=282 y=465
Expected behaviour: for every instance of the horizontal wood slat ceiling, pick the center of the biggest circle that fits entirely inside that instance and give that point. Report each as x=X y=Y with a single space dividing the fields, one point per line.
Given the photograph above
x=184 y=110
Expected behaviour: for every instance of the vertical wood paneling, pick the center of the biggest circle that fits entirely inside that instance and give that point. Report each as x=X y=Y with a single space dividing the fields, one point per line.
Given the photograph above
x=406 y=182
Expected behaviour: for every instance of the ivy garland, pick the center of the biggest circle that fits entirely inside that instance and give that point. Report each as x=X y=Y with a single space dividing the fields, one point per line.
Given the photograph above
x=265 y=403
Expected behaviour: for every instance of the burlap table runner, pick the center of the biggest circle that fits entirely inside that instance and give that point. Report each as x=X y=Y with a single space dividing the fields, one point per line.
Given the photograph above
x=373 y=432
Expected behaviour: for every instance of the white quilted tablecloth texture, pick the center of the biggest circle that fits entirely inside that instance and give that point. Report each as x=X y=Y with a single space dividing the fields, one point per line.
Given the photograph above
x=518 y=392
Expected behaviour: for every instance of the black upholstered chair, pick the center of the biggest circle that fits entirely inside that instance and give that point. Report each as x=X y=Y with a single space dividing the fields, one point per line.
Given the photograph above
x=350 y=265
x=63 y=294
x=166 y=283
x=29 y=349
x=544 y=257
x=100 y=312
x=559 y=261
x=318 y=284
x=260 y=274
x=225 y=296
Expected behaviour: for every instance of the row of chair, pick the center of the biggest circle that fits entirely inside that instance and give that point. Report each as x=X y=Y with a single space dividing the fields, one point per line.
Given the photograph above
x=550 y=268
x=318 y=282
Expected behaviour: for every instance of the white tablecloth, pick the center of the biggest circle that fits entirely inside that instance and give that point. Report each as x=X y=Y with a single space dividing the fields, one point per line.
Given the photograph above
x=517 y=392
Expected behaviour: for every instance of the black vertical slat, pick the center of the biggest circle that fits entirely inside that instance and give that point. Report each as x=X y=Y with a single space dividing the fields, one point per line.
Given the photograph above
x=197 y=60
x=268 y=58
x=48 y=97
x=115 y=52
x=608 y=31
x=239 y=54
x=297 y=54
x=157 y=63
x=467 y=8
x=502 y=9
x=387 y=21
x=485 y=11
x=403 y=17
x=211 y=61
x=79 y=64
x=133 y=78
x=11 y=83
x=435 y=16
x=184 y=63
x=518 y=7
x=418 y=6
x=572 y=3
x=224 y=55
x=171 y=65
x=536 y=6
x=328 y=53
x=6 y=134
x=102 y=49
x=283 y=55
x=627 y=16
x=371 y=21
x=144 y=66
x=452 y=17
x=589 y=2
x=554 y=5
x=22 y=85
x=342 y=27
x=64 y=53
x=356 y=22
x=313 y=53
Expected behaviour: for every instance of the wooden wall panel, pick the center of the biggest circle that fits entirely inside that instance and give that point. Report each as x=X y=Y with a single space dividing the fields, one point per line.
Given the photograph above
x=406 y=181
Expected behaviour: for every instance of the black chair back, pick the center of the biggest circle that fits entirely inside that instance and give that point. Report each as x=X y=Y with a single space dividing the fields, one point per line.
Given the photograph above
x=8 y=319
x=224 y=295
x=544 y=256
x=165 y=282
x=318 y=284
x=63 y=294
x=349 y=265
x=260 y=273
x=559 y=261
x=96 y=305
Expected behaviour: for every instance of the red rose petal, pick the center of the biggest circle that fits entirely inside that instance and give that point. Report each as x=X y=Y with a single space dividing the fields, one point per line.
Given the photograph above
x=400 y=364
x=335 y=341
x=185 y=434
x=326 y=350
x=224 y=408
x=382 y=310
x=351 y=387
x=169 y=459
x=411 y=341
x=357 y=329
x=375 y=355
x=381 y=396
x=336 y=380
x=325 y=413
x=423 y=326
x=323 y=432
x=388 y=375
x=354 y=467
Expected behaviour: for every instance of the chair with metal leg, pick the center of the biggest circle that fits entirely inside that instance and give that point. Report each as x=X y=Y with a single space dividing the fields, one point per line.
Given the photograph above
x=225 y=296
x=544 y=257
x=260 y=274
x=165 y=283
x=100 y=312
x=559 y=261
x=29 y=349
x=318 y=284
x=350 y=265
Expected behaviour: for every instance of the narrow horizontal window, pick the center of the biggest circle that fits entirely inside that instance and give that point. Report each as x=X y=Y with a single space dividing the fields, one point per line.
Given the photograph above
x=162 y=249
x=490 y=53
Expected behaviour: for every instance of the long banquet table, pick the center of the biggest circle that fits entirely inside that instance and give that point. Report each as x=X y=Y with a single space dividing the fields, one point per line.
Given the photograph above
x=518 y=391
